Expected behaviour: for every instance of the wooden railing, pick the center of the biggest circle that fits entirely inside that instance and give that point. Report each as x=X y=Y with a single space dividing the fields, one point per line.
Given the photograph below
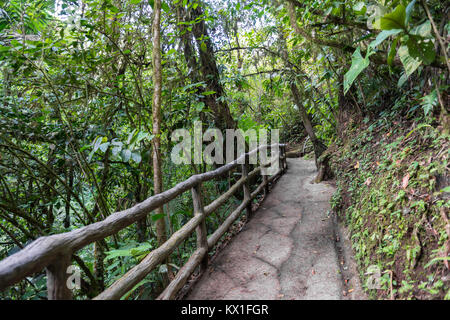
x=54 y=252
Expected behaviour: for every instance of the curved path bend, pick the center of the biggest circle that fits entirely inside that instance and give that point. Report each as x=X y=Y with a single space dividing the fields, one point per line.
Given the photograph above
x=290 y=249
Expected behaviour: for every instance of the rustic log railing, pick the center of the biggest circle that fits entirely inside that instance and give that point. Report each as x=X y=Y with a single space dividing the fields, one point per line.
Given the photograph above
x=54 y=252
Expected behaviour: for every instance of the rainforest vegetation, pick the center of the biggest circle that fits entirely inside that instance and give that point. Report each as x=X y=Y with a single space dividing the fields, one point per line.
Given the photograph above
x=92 y=90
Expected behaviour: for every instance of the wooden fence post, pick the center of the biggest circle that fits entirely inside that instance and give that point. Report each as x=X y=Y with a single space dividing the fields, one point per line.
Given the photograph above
x=202 y=236
x=247 y=193
x=280 y=160
x=266 y=185
x=57 y=288
x=285 y=159
x=265 y=177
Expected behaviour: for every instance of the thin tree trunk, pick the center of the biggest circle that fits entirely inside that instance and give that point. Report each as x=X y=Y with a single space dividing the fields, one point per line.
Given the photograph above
x=319 y=146
x=161 y=234
x=99 y=267
x=157 y=82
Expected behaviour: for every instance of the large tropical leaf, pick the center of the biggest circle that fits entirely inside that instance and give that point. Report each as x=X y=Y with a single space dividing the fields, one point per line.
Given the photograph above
x=358 y=65
x=395 y=19
x=421 y=49
x=383 y=35
x=409 y=63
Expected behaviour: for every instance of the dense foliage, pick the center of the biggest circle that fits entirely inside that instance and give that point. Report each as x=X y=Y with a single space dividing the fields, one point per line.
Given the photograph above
x=76 y=122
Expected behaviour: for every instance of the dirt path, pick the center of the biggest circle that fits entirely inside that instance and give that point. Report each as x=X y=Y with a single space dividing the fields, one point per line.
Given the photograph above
x=290 y=249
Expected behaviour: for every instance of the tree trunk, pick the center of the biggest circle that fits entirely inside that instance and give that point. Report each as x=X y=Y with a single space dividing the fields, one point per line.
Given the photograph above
x=222 y=116
x=157 y=82
x=209 y=73
x=319 y=146
x=161 y=234
x=99 y=267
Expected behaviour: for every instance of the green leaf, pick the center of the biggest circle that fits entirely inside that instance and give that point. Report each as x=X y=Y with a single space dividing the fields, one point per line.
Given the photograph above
x=157 y=216
x=135 y=1
x=97 y=142
x=136 y=157
x=392 y=51
x=165 y=7
x=116 y=150
x=421 y=49
x=129 y=252
x=446 y=189
x=90 y=156
x=383 y=35
x=429 y=102
x=104 y=146
x=145 y=281
x=402 y=80
x=395 y=19
x=132 y=136
x=423 y=30
x=409 y=9
x=112 y=8
x=203 y=46
x=3 y=25
x=118 y=253
x=144 y=135
x=171 y=51
x=420 y=126
x=359 y=6
x=358 y=65
x=436 y=260
x=409 y=63
x=142 y=249
x=126 y=155
x=4 y=48
x=117 y=146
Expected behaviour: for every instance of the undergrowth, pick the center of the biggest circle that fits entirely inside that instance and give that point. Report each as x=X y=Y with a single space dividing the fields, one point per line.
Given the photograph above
x=392 y=192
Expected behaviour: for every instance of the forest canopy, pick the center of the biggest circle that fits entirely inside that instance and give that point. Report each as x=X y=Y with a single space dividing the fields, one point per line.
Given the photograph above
x=92 y=90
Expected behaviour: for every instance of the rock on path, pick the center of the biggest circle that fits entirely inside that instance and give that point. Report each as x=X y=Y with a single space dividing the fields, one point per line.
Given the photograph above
x=288 y=250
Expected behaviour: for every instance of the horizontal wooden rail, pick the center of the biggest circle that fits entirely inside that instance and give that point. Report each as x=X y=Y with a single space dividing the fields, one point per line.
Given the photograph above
x=54 y=252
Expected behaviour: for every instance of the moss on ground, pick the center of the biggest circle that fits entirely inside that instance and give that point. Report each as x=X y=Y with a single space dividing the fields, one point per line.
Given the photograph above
x=390 y=177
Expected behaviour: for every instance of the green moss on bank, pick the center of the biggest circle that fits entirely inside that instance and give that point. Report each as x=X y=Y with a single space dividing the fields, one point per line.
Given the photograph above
x=390 y=176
